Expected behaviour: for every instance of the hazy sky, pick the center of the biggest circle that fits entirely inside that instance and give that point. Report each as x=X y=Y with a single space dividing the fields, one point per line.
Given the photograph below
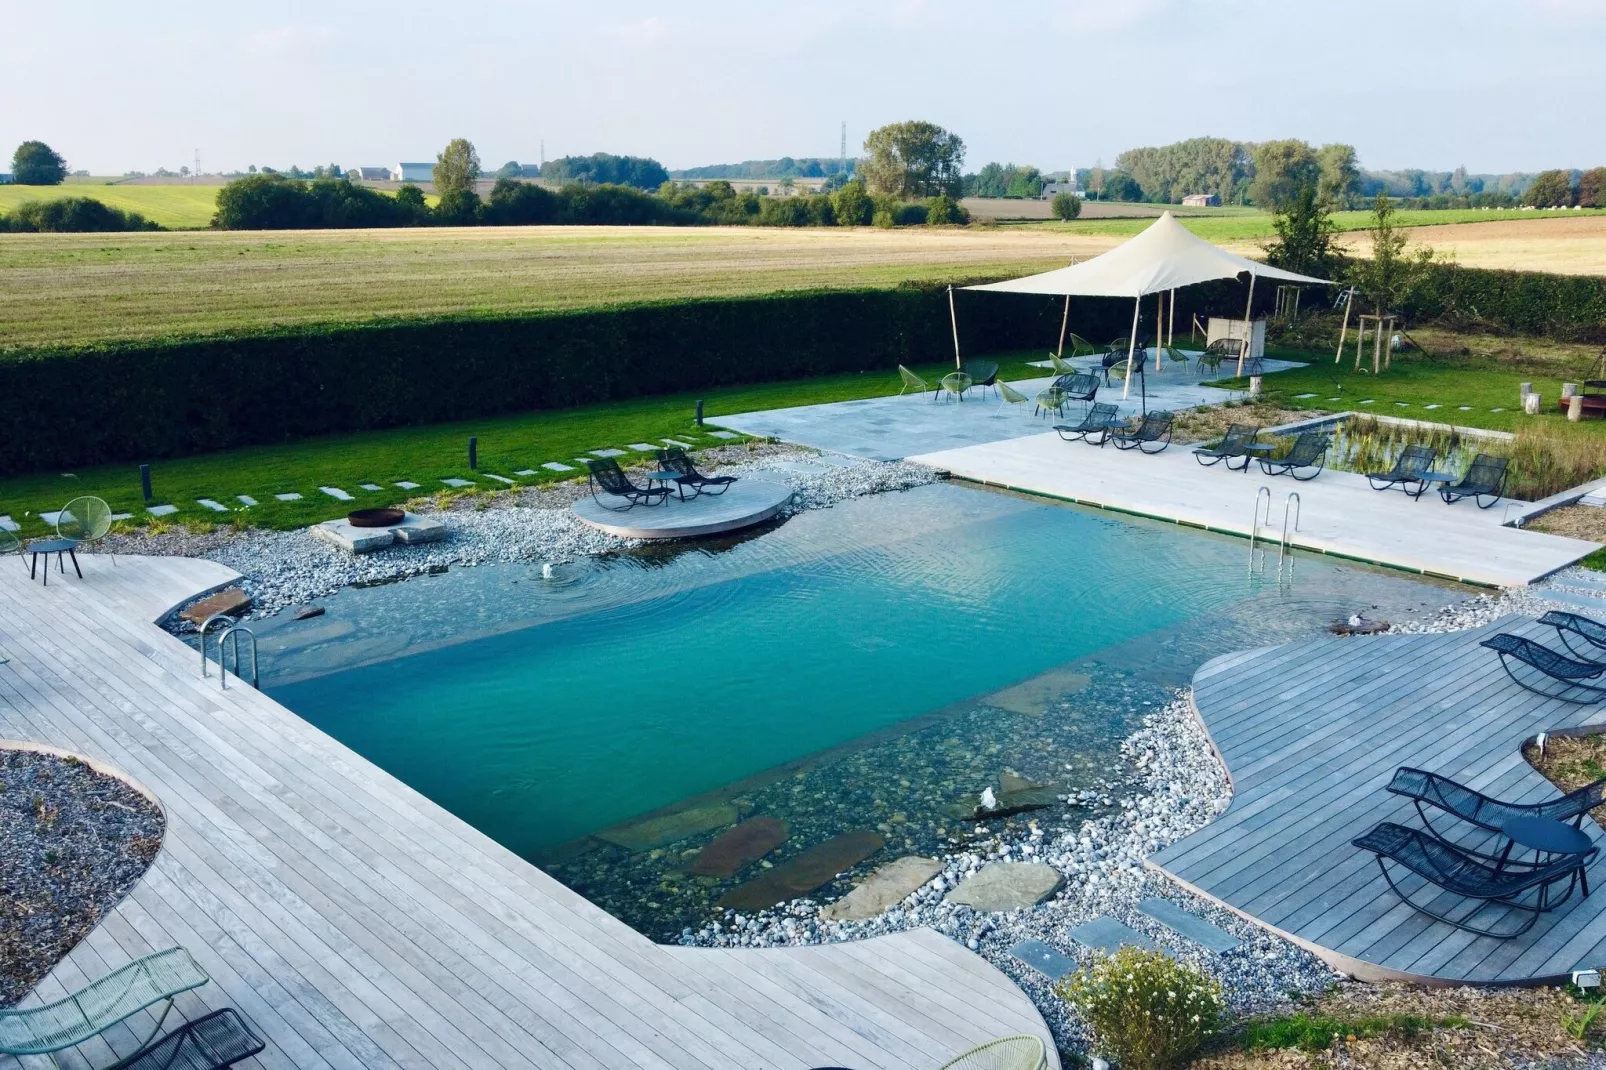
x=1497 y=86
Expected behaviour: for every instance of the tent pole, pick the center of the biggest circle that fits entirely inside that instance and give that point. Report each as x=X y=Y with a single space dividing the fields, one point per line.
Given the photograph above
x=1344 y=331
x=1243 y=349
x=1171 y=320
x=953 y=318
x=1159 y=333
x=1064 y=322
x=1131 y=347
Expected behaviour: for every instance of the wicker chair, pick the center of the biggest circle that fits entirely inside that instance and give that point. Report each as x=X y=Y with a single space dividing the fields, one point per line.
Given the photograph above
x=1100 y=420
x=1309 y=451
x=1009 y=395
x=954 y=385
x=1023 y=1052
x=212 y=1042
x=1230 y=448
x=1564 y=678
x=1409 y=467
x=911 y=381
x=1485 y=478
x=92 y=1010
x=1155 y=430
x=85 y=520
x=983 y=373
x=606 y=474
x=1448 y=868
x=675 y=460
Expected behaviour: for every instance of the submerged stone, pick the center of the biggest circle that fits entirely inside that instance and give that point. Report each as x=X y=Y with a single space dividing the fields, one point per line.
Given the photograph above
x=890 y=884
x=1032 y=697
x=647 y=833
x=806 y=872
x=1007 y=886
x=747 y=842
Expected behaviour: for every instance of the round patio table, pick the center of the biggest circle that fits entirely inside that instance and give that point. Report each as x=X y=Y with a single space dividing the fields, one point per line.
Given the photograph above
x=1430 y=478
x=57 y=547
x=1549 y=839
x=1257 y=451
x=667 y=478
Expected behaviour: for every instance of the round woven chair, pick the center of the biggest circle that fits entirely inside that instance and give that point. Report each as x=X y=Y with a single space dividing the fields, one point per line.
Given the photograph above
x=85 y=520
x=954 y=384
x=9 y=542
x=1024 y=1052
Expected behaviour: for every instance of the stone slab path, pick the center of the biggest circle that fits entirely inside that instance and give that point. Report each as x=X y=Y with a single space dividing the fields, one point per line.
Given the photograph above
x=1107 y=934
x=1189 y=925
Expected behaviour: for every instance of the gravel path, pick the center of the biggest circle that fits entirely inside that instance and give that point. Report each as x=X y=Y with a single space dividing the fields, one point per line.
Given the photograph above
x=72 y=843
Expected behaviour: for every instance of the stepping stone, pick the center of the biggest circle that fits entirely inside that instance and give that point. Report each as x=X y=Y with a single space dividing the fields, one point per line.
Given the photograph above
x=1192 y=926
x=8 y=524
x=677 y=442
x=1335 y=399
x=1007 y=886
x=1434 y=406
x=122 y=516
x=162 y=510
x=1107 y=934
x=216 y=507
x=458 y=482
x=406 y=485
x=1402 y=404
x=502 y=479
x=665 y=829
x=1497 y=409
x=887 y=886
x=291 y=497
x=525 y=472
x=232 y=602
x=724 y=434
x=246 y=499
x=1368 y=401
x=1464 y=408
x=747 y=842
x=558 y=466
x=1301 y=397
x=336 y=493
x=370 y=486
x=808 y=871
x=1044 y=959
x=642 y=447
x=609 y=452
x=51 y=518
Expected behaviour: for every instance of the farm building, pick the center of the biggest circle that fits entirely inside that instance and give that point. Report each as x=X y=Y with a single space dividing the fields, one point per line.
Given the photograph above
x=1052 y=189
x=376 y=174
x=413 y=172
x=5 y=178
x=1201 y=200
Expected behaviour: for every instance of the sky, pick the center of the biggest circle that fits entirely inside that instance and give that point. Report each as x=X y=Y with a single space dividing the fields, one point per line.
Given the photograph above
x=115 y=86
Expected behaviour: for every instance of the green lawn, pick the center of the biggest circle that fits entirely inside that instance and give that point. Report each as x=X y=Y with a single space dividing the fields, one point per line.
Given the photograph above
x=423 y=455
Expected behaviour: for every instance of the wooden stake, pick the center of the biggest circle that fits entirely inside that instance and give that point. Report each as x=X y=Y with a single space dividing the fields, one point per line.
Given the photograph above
x=1064 y=319
x=953 y=318
x=1243 y=348
x=1344 y=331
x=1131 y=346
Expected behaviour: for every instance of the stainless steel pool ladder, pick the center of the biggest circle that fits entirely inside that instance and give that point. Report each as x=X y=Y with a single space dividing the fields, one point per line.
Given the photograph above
x=1283 y=543
x=205 y=627
x=233 y=633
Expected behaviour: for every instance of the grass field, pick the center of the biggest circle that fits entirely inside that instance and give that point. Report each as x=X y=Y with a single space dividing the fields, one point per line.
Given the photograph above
x=423 y=455
x=1248 y=224
x=175 y=207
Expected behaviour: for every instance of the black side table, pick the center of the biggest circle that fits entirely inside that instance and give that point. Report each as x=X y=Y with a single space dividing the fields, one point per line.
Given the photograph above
x=1549 y=838
x=57 y=547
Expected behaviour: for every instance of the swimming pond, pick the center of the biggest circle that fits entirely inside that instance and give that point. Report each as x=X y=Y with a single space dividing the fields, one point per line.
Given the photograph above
x=863 y=669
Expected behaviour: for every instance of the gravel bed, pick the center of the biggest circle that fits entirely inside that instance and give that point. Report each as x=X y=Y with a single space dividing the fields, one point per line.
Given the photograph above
x=73 y=842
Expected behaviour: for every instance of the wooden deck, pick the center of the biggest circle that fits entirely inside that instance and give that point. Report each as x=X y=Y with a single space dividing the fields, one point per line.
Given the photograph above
x=357 y=925
x=1310 y=734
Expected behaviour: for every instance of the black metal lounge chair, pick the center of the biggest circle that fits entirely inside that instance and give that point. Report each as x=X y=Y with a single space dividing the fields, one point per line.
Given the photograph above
x=606 y=473
x=1448 y=868
x=1485 y=478
x=983 y=373
x=212 y=1042
x=675 y=460
x=1079 y=386
x=1140 y=358
x=1100 y=420
x=1592 y=632
x=1440 y=792
x=1566 y=676
x=1230 y=448
x=1309 y=451
x=1155 y=428
x=1412 y=464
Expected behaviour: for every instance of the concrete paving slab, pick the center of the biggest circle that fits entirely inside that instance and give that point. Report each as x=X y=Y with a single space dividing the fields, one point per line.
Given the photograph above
x=122 y=516
x=162 y=510
x=352 y=539
x=455 y=482
x=8 y=524
x=337 y=494
x=525 y=472
x=370 y=486
x=291 y=497
x=1107 y=934
x=678 y=442
x=609 y=452
x=245 y=499
x=51 y=518
x=558 y=466
x=1044 y=959
x=407 y=484
x=724 y=434
x=501 y=479
x=642 y=447
x=1189 y=925
x=216 y=507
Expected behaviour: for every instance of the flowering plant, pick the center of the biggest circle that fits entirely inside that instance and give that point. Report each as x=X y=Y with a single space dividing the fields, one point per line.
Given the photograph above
x=1146 y=1009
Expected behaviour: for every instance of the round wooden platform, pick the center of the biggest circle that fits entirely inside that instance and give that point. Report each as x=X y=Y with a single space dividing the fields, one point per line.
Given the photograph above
x=749 y=501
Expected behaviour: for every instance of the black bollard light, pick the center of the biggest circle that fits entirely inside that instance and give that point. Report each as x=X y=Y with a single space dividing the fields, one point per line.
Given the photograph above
x=699 y=412
x=473 y=452
x=145 y=480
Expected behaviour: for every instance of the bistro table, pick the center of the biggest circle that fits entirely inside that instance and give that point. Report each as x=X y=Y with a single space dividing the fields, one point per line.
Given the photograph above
x=57 y=547
x=1256 y=451
x=667 y=478
x=1430 y=478
x=1546 y=837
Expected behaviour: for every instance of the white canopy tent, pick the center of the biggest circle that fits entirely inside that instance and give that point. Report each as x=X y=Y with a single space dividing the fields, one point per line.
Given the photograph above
x=1165 y=256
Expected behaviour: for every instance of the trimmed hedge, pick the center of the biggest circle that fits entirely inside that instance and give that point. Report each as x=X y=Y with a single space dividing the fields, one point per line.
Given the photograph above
x=1569 y=308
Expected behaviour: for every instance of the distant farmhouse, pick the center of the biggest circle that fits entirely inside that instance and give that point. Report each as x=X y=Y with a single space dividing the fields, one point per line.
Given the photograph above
x=1201 y=200
x=1053 y=189
x=376 y=174
x=5 y=178
x=413 y=172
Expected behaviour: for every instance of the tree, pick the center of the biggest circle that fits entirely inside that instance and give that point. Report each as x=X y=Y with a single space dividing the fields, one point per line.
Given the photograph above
x=1282 y=168
x=37 y=164
x=1340 y=176
x=1389 y=276
x=262 y=202
x=1198 y=165
x=457 y=208
x=1304 y=236
x=1550 y=189
x=943 y=209
x=914 y=159
x=511 y=169
x=1120 y=186
x=604 y=168
x=852 y=206
x=66 y=215
x=457 y=167
x=1592 y=188
x=1065 y=206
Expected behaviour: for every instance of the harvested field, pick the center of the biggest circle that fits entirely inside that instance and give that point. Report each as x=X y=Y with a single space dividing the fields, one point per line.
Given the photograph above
x=1556 y=242
x=77 y=288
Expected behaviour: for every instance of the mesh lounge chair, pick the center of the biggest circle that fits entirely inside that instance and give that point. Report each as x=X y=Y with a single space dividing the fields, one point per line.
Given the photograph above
x=606 y=474
x=1563 y=677
x=1060 y=366
x=1218 y=353
x=675 y=460
x=1485 y=478
x=1230 y=448
x=983 y=373
x=954 y=385
x=1100 y=420
x=1567 y=624
x=1524 y=890
x=85 y=520
x=1430 y=789
x=1309 y=451
x=1022 y=1052
x=1078 y=386
x=92 y=1010
x=212 y=1042
x=1409 y=467
x=911 y=381
x=1009 y=395
x=1155 y=430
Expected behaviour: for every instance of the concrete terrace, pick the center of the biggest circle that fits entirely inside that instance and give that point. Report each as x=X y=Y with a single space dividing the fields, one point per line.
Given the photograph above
x=357 y=925
x=1310 y=734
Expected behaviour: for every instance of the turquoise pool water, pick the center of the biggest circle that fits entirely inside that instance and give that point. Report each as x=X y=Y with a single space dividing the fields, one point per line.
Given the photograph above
x=766 y=673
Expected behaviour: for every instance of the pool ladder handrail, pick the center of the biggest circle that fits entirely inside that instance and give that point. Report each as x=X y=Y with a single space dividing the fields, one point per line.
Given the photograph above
x=1283 y=542
x=233 y=632
x=205 y=625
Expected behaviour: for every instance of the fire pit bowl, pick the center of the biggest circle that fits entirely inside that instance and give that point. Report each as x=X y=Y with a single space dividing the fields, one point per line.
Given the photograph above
x=375 y=518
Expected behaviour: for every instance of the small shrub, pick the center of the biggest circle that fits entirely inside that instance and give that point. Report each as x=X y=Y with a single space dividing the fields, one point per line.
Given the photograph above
x=1146 y=1009
x=1065 y=206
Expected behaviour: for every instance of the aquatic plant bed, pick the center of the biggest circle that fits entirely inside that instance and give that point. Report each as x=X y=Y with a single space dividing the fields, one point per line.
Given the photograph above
x=73 y=842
